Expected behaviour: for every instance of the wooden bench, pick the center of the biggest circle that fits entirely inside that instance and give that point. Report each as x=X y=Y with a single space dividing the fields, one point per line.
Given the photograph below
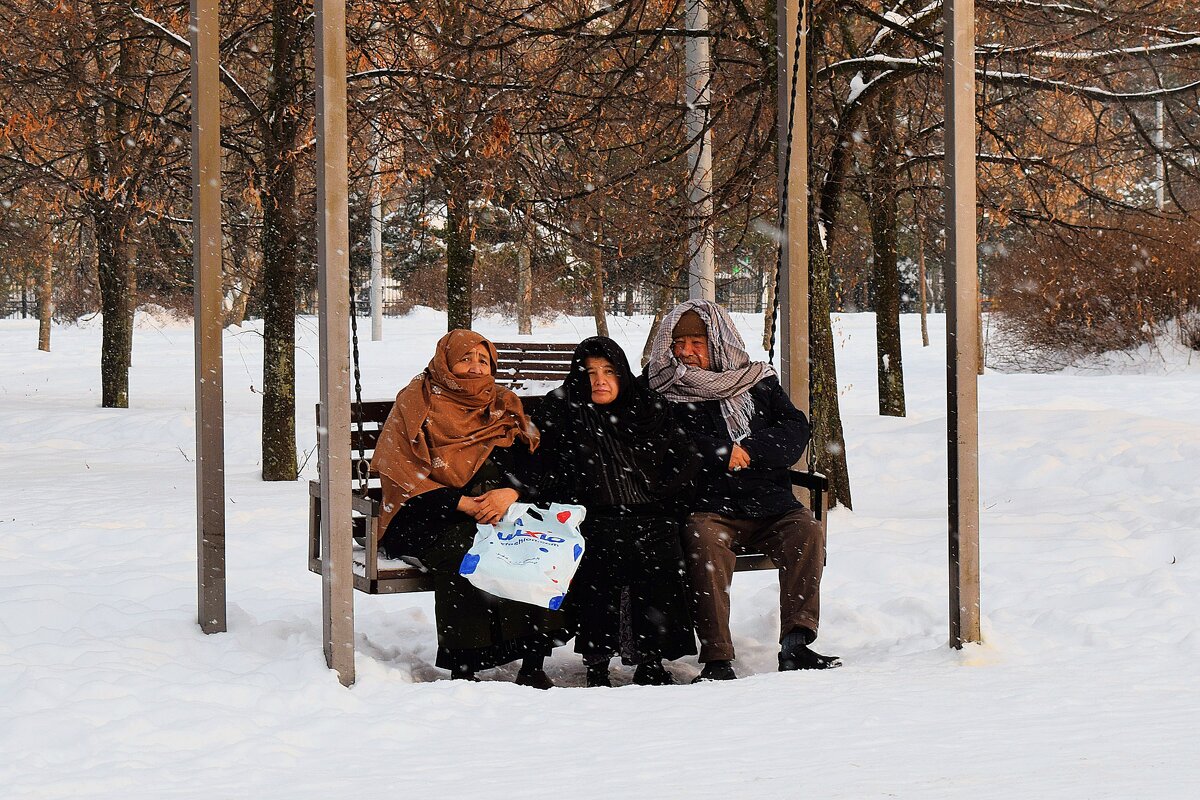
x=524 y=366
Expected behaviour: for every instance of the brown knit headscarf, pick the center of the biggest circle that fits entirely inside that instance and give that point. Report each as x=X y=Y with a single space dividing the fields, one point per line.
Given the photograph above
x=443 y=427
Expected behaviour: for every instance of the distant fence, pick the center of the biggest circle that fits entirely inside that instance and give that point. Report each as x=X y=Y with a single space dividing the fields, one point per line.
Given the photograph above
x=22 y=305
x=743 y=293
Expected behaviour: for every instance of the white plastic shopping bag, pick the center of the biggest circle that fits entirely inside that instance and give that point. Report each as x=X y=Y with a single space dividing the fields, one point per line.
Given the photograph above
x=530 y=555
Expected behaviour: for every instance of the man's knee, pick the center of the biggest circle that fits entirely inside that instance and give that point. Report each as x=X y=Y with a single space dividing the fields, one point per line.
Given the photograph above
x=798 y=533
x=706 y=532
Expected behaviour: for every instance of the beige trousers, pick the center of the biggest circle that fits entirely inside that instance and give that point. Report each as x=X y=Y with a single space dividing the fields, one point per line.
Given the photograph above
x=795 y=543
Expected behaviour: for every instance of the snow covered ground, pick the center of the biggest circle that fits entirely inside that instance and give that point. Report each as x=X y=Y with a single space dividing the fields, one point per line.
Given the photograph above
x=1085 y=688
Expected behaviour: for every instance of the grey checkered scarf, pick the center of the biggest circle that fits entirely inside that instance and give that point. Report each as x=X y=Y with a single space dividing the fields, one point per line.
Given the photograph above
x=730 y=375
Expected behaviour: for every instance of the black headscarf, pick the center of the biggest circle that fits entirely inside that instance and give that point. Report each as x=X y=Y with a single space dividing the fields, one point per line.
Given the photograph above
x=636 y=413
x=628 y=451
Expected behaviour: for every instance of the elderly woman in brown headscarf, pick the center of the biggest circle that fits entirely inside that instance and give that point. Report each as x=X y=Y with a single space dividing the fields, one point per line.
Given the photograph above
x=452 y=453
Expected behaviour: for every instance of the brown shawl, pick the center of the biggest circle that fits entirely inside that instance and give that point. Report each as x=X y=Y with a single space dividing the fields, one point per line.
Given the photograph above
x=443 y=427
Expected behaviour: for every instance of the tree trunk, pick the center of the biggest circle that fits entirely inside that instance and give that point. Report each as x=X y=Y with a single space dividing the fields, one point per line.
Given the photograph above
x=280 y=233
x=524 y=290
x=460 y=260
x=883 y=214
x=246 y=266
x=237 y=313
x=769 y=319
x=923 y=279
x=980 y=356
x=665 y=294
x=115 y=270
x=279 y=242
x=828 y=441
x=45 y=303
x=598 y=291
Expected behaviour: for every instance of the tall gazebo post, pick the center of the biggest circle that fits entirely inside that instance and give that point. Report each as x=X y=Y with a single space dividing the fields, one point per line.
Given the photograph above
x=962 y=333
x=793 y=172
x=207 y=293
x=333 y=287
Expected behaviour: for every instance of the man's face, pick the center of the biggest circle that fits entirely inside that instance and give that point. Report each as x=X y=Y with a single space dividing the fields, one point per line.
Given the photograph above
x=691 y=350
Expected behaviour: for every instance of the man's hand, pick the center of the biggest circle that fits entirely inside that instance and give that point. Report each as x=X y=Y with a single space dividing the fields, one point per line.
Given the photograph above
x=489 y=507
x=739 y=458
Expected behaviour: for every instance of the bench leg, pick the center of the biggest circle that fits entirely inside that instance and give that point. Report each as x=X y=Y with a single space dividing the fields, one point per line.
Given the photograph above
x=372 y=549
x=314 y=532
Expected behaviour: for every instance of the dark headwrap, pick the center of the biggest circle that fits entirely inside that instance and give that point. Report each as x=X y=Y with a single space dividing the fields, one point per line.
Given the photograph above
x=622 y=452
x=637 y=411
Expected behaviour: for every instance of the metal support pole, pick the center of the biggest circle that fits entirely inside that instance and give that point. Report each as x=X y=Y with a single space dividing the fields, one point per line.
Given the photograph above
x=333 y=286
x=702 y=279
x=962 y=337
x=376 y=251
x=206 y=265
x=793 y=303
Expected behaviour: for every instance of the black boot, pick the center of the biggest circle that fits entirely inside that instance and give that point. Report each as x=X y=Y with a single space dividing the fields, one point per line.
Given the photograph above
x=463 y=674
x=716 y=671
x=597 y=674
x=532 y=675
x=652 y=673
x=794 y=653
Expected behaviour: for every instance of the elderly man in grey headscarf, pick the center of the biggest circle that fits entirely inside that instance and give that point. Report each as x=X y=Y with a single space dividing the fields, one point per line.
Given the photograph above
x=749 y=434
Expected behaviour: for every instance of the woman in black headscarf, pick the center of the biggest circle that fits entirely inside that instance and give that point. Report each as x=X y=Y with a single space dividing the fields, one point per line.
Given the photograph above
x=610 y=444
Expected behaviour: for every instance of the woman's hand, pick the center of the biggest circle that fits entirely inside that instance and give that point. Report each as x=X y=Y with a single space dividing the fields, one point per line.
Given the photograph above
x=489 y=507
x=466 y=504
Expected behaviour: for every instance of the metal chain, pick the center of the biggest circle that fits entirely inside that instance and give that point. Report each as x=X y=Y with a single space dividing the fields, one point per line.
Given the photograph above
x=787 y=174
x=363 y=467
x=783 y=204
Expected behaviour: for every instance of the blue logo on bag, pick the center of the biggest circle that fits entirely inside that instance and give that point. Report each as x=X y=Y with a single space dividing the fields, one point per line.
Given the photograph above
x=469 y=563
x=556 y=602
x=506 y=536
x=578 y=551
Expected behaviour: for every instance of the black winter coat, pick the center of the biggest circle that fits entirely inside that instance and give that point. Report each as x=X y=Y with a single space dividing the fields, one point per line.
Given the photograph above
x=779 y=432
x=569 y=466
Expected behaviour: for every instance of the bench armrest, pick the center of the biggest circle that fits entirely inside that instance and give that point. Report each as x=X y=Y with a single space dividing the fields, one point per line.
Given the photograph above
x=813 y=481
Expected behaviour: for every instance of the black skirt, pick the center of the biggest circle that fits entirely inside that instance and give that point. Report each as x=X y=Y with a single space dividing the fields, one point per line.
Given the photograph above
x=629 y=595
x=475 y=630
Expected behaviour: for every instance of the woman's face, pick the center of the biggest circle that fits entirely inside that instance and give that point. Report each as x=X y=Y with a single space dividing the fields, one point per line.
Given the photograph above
x=606 y=384
x=475 y=364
